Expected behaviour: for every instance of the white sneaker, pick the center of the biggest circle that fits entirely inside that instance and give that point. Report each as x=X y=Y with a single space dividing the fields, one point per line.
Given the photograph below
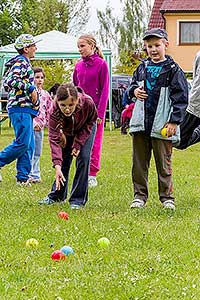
x=169 y=204
x=0 y=176
x=92 y=181
x=137 y=203
x=23 y=183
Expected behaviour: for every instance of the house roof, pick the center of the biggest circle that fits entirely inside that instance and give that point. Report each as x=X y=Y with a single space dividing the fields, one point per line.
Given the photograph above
x=162 y=6
x=156 y=19
x=180 y=6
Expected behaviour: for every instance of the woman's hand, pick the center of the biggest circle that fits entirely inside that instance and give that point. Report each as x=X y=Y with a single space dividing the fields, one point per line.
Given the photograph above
x=60 y=179
x=75 y=152
x=99 y=121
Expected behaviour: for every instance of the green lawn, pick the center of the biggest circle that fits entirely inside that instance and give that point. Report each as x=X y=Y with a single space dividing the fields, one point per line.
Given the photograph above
x=153 y=254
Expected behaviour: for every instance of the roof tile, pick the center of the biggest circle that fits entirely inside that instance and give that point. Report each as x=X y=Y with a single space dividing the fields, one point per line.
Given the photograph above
x=180 y=5
x=156 y=19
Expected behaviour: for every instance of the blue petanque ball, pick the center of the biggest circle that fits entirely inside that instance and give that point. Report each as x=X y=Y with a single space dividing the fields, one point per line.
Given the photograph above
x=67 y=250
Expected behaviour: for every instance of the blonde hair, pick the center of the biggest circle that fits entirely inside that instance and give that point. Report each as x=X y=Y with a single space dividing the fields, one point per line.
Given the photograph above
x=90 y=39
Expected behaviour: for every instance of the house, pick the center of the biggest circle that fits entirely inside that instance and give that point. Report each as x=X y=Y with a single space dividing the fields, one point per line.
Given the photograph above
x=181 y=19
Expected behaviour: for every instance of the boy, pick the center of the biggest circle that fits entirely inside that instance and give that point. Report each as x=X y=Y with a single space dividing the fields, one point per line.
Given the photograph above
x=22 y=107
x=162 y=94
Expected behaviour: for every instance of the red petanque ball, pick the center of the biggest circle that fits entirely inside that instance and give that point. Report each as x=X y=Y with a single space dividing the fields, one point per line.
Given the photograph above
x=58 y=255
x=63 y=215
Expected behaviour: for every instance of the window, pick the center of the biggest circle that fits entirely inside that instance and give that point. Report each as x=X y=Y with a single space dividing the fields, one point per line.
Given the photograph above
x=189 y=33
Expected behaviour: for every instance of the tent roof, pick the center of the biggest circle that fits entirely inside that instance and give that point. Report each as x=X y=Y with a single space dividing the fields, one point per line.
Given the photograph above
x=53 y=44
x=56 y=45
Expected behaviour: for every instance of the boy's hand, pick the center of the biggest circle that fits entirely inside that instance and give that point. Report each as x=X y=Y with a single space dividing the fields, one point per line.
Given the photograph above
x=75 y=152
x=171 y=129
x=34 y=96
x=140 y=93
x=37 y=128
x=60 y=179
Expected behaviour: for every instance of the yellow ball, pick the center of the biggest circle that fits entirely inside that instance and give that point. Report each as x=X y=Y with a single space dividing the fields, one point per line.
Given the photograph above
x=164 y=132
x=32 y=243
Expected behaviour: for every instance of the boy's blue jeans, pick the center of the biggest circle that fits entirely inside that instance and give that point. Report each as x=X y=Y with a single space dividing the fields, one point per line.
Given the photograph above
x=22 y=147
x=79 y=191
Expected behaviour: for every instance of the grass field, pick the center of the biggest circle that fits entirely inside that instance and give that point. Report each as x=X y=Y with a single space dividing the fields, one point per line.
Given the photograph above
x=153 y=254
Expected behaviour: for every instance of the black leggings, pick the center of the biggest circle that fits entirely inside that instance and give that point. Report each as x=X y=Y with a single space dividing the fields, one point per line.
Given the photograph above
x=190 y=131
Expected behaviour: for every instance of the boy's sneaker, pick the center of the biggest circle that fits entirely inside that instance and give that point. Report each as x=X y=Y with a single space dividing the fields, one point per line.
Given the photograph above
x=76 y=206
x=137 y=203
x=49 y=201
x=23 y=183
x=35 y=180
x=169 y=204
x=92 y=181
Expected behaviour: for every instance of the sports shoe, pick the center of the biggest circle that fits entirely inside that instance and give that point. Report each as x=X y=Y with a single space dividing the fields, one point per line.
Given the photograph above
x=0 y=176
x=137 y=203
x=169 y=204
x=76 y=206
x=49 y=201
x=35 y=180
x=92 y=181
x=23 y=183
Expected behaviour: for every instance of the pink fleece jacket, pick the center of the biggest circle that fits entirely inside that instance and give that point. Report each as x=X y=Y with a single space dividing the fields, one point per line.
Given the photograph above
x=91 y=74
x=46 y=103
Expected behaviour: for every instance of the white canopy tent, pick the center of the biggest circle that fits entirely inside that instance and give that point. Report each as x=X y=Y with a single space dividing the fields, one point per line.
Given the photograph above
x=56 y=45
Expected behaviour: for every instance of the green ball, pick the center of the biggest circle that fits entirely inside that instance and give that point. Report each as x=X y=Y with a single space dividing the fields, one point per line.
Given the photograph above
x=103 y=242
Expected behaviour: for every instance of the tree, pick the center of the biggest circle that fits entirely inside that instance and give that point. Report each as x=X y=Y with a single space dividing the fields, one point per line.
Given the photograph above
x=8 y=23
x=125 y=34
x=38 y=16
x=63 y=15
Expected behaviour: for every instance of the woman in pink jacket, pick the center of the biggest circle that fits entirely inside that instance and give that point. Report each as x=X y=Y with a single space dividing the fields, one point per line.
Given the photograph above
x=92 y=75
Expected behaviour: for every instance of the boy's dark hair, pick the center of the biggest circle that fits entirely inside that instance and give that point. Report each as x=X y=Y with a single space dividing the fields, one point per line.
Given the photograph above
x=21 y=51
x=38 y=70
x=65 y=91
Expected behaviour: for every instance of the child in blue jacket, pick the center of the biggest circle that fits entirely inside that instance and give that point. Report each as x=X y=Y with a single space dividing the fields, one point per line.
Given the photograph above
x=22 y=107
x=162 y=96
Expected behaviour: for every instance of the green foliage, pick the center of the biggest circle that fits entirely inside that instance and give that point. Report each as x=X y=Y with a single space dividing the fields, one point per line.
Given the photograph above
x=128 y=61
x=153 y=254
x=36 y=17
x=55 y=71
x=125 y=35
x=8 y=23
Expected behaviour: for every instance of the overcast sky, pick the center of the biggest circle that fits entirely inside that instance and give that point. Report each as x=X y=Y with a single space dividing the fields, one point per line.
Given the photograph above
x=93 y=23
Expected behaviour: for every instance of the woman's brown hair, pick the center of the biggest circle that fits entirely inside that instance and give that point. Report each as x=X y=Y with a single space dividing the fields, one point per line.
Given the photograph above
x=65 y=91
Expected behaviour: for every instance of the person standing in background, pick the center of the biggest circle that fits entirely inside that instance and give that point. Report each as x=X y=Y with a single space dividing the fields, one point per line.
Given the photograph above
x=92 y=75
x=39 y=122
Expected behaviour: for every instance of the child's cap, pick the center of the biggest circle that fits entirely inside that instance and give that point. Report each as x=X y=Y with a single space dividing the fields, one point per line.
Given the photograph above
x=25 y=40
x=156 y=32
